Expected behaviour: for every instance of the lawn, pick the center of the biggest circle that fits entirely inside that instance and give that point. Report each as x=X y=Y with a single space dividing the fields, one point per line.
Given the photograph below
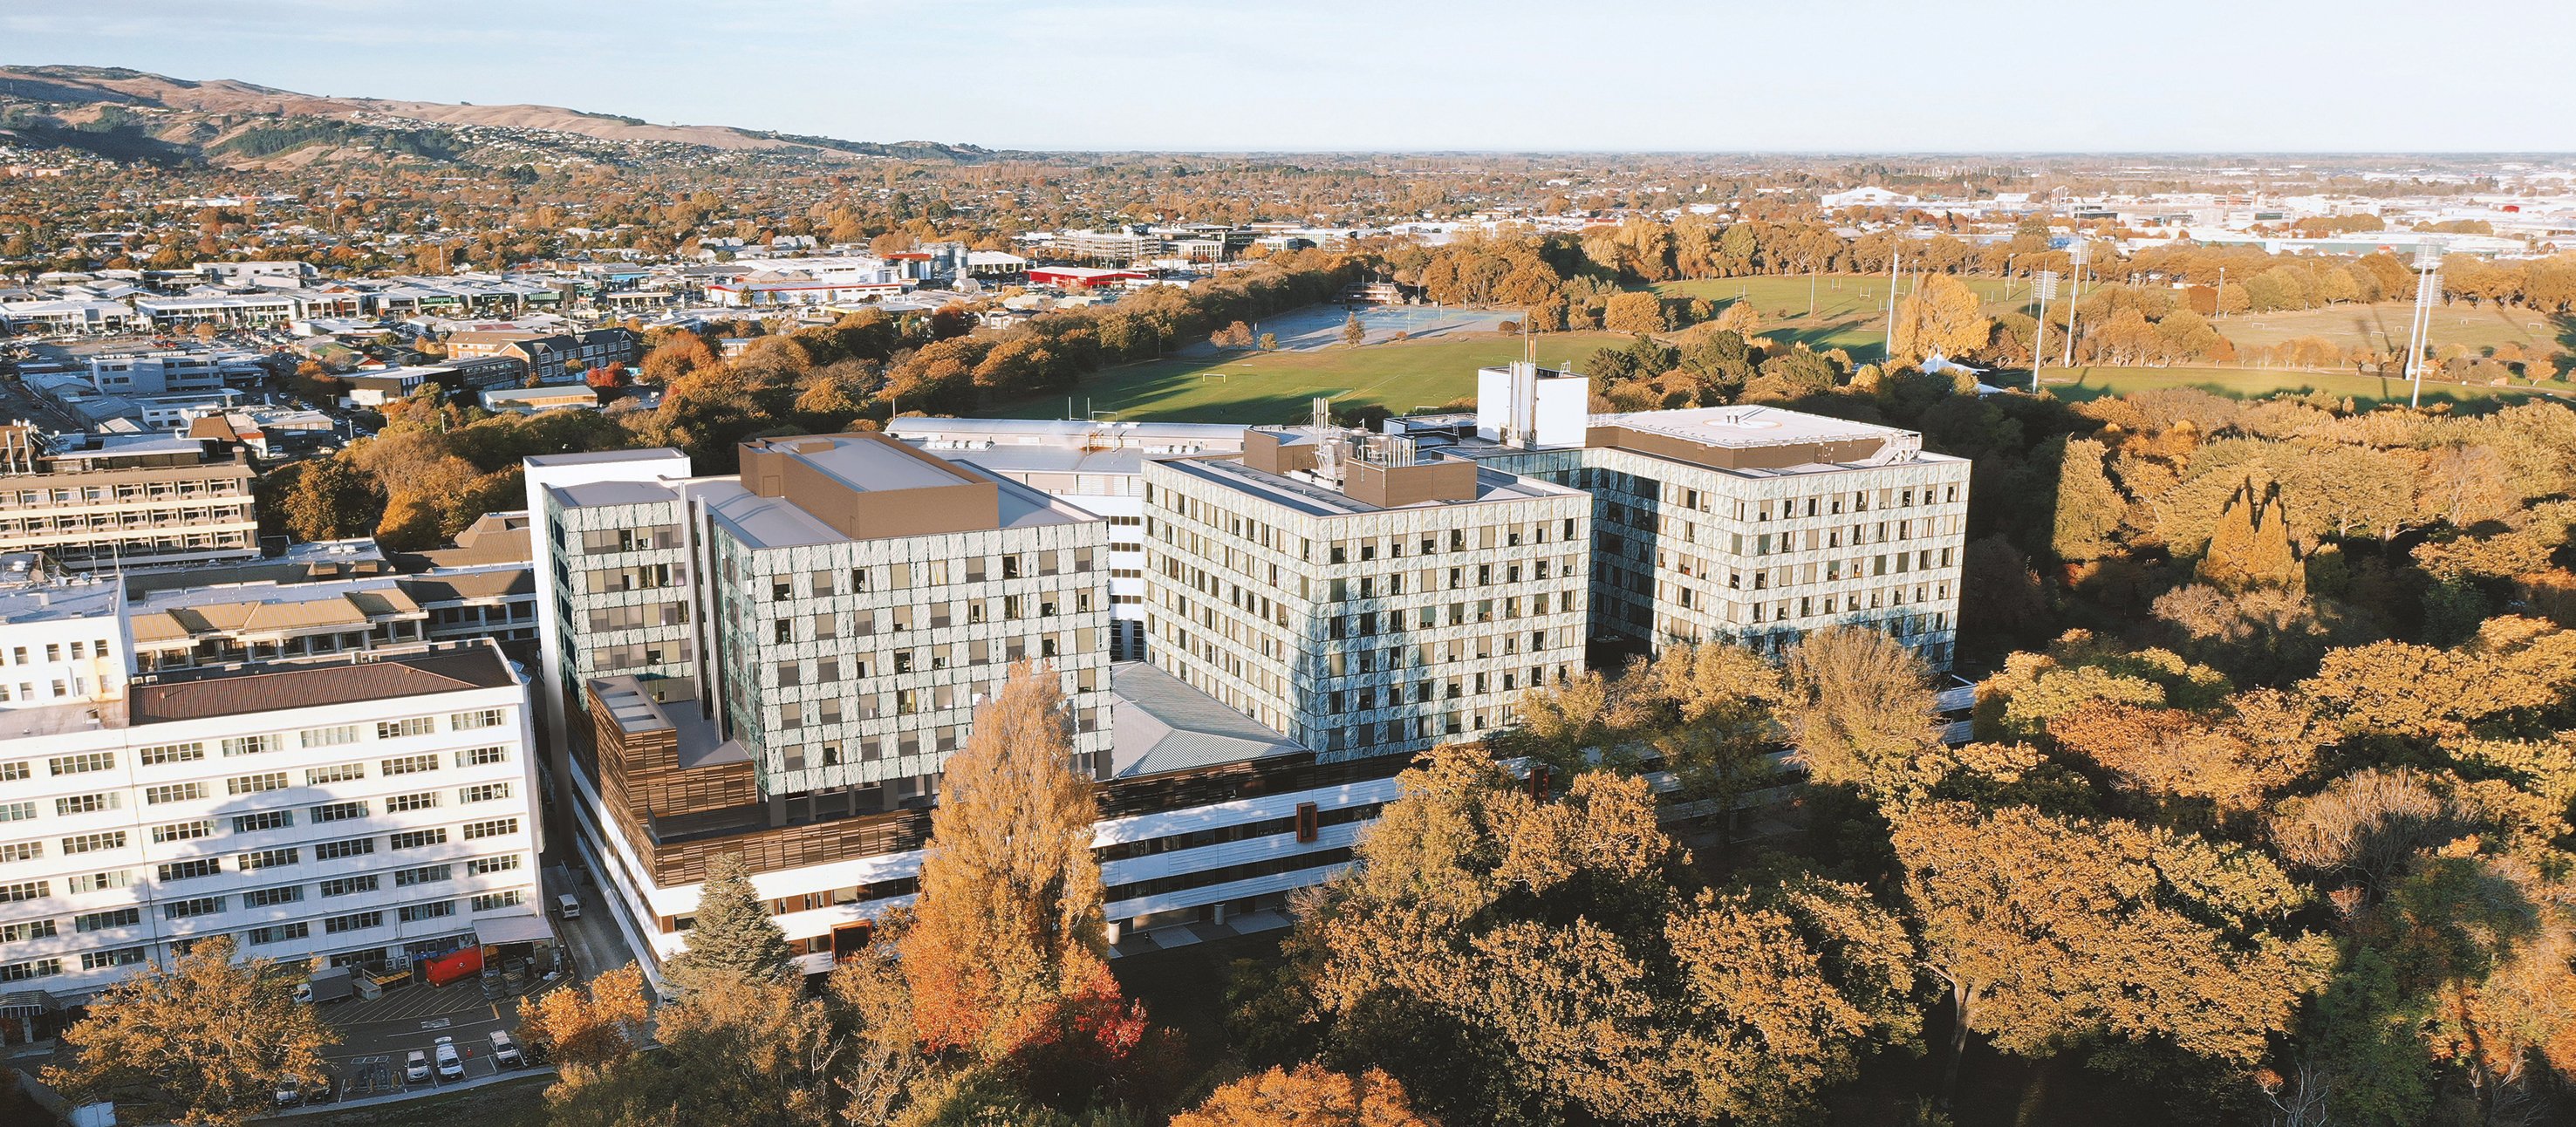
x=1850 y=312
x=1276 y=387
x=2384 y=325
x=2091 y=382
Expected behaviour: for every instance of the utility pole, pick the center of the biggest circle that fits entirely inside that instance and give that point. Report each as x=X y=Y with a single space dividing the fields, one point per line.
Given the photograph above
x=2218 y=303
x=2046 y=283
x=2428 y=282
x=2074 y=289
x=1894 y=260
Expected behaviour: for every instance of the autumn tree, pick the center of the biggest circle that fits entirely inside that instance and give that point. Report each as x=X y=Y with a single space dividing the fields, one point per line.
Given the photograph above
x=1638 y=311
x=1307 y=1096
x=2047 y=929
x=1860 y=709
x=2251 y=547
x=589 y=1025
x=733 y=941
x=205 y=1042
x=1514 y=960
x=1007 y=928
x=1942 y=315
x=332 y=500
x=1353 y=332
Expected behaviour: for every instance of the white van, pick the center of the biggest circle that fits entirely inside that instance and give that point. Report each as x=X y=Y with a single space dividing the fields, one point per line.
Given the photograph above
x=568 y=906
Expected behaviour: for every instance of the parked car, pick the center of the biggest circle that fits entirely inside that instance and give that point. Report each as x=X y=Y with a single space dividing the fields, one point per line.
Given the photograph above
x=505 y=1052
x=568 y=906
x=451 y=1066
x=289 y=1093
x=416 y=1068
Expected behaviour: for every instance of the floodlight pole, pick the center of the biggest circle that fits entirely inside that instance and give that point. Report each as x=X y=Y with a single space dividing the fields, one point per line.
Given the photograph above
x=2039 y=342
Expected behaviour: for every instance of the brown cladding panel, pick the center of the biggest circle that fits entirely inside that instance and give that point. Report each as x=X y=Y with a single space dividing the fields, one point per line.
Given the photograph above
x=1783 y=456
x=1276 y=452
x=1393 y=487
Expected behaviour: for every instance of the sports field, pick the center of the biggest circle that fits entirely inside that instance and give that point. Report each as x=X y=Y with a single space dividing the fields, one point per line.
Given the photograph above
x=1277 y=387
x=2089 y=382
x=1850 y=312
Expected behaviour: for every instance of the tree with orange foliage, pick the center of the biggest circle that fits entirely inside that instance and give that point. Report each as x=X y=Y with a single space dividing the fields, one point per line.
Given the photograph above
x=1007 y=930
x=1307 y=1097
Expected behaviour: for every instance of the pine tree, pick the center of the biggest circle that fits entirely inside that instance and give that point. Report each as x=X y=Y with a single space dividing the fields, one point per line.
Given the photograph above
x=2088 y=506
x=1007 y=931
x=2250 y=547
x=1353 y=332
x=734 y=940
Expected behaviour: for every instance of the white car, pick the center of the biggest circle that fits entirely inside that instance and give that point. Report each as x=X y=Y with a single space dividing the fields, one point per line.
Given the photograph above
x=416 y=1068
x=450 y=1065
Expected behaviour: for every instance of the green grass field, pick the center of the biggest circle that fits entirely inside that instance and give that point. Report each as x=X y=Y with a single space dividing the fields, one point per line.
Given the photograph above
x=1849 y=312
x=2384 y=325
x=2089 y=382
x=1276 y=387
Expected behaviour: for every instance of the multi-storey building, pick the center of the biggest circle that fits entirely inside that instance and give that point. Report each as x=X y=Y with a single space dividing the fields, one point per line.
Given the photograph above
x=777 y=663
x=1099 y=466
x=368 y=809
x=1747 y=524
x=147 y=502
x=1358 y=595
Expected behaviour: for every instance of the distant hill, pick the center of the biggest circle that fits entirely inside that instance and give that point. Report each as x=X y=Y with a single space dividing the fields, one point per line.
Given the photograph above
x=133 y=115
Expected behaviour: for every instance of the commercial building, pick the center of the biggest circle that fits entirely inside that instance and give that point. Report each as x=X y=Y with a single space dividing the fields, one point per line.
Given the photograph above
x=1746 y=524
x=1098 y=466
x=363 y=809
x=551 y=358
x=144 y=502
x=1360 y=595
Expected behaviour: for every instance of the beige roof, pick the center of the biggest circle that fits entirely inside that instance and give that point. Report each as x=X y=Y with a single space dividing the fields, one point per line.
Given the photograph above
x=157 y=627
x=391 y=600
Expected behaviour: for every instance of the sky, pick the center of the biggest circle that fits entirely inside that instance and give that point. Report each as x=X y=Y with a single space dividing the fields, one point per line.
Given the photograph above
x=1899 y=76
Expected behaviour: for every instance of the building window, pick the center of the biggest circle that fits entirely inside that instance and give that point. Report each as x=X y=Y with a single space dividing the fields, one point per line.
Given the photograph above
x=398 y=729
x=492 y=901
x=102 y=921
x=25 y=890
x=415 y=839
x=96 y=882
x=85 y=804
x=358 y=921
x=328 y=737
x=81 y=764
x=269 y=897
x=481 y=756
x=190 y=869
x=174 y=792
x=190 y=909
x=337 y=773
x=480 y=718
x=406 y=803
x=94 y=843
x=347 y=886
x=485 y=866
x=22 y=932
x=17 y=811
x=280 y=933
x=498 y=827
x=409 y=764
x=25 y=851
x=268 y=858
x=257 y=784
x=264 y=820
x=249 y=745
x=414 y=913
x=485 y=793
x=335 y=850
x=39 y=968
x=426 y=874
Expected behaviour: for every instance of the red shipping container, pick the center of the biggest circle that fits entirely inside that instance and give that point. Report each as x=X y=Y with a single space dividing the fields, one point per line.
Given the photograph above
x=449 y=968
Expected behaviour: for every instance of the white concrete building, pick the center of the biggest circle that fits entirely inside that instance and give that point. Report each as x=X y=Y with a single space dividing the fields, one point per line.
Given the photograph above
x=364 y=809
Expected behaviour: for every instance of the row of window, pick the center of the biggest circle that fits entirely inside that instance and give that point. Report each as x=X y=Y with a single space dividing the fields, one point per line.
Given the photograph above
x=197 y=867
x=261 y=783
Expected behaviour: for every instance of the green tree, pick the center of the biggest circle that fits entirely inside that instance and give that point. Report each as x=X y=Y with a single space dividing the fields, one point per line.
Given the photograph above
x=204 y=1042
x=734 y=941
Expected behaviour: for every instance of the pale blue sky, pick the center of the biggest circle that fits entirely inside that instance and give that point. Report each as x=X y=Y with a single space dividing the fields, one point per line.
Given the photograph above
x=1790 y=75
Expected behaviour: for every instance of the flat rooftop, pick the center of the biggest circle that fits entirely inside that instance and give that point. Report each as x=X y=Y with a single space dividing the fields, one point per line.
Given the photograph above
x=1747 y=427
x=590 y=493
x=1315 y=498
x=694 y=735
x=867 y=466
x=600 y=457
